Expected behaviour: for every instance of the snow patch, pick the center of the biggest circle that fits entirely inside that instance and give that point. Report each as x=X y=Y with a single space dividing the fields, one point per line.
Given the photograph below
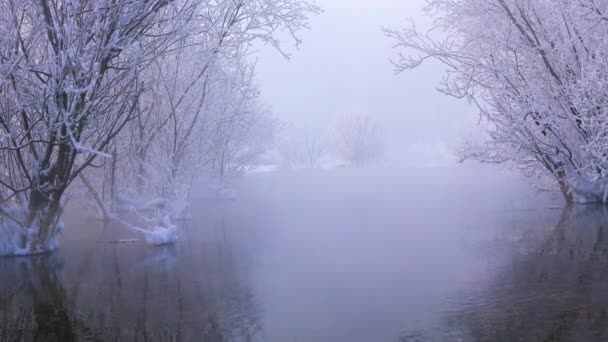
x=155 y=236
x=263 y=168
x=160 y=235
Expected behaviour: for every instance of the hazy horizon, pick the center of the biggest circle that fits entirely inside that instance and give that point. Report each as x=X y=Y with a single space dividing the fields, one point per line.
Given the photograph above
x=343 y=67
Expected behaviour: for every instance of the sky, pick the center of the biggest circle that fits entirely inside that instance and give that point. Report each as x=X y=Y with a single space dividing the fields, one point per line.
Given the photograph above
x=343 y=67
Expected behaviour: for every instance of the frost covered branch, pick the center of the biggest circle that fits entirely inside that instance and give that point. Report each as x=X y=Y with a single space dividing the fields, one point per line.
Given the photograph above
x=537 y=71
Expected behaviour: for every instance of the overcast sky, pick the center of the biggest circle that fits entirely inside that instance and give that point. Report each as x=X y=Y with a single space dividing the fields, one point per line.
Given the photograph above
x=343 y=67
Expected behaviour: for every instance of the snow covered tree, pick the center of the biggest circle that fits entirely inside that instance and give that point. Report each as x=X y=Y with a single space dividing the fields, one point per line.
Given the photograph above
x=537 y=70
x=201 y=112
x=68 y=85
x=199 y=115
x=359 y=139
x=77 y=75
x=302 y=149
x=236 y=140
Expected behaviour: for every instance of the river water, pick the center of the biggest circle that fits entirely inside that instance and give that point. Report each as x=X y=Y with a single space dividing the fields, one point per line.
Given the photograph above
x=443 y=254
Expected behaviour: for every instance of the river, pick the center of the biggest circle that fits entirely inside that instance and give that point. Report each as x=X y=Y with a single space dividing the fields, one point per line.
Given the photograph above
x=436 y=254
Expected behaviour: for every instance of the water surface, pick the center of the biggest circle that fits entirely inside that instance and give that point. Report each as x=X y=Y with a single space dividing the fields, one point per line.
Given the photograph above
x=445 y=254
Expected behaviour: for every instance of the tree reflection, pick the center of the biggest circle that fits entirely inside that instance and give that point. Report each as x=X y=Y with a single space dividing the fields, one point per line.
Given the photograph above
x=192 y=291
x=33 y=301
x=556 y=291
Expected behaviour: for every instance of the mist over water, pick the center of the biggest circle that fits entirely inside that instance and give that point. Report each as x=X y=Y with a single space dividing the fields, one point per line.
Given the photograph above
x=458 y=253
x=288 y=170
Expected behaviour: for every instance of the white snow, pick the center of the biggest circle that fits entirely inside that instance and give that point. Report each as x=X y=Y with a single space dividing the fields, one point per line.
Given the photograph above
x=156 y=236
x=16 y=239
x=161 y=236
x=165 y=232
x=263 y=168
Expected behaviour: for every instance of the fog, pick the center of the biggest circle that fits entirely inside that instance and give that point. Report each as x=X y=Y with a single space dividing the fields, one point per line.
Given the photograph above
x=377 y=256
x=343 y=67
x=291 y=170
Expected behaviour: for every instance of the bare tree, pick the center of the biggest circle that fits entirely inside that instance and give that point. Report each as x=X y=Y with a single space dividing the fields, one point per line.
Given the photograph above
x=359 y=139
x=302 y=149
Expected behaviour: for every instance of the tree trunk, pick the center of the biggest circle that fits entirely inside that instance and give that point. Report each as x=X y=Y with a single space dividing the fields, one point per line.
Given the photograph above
x=45 y=200
x=565 y=189
x=113 y=181
x=45 y=217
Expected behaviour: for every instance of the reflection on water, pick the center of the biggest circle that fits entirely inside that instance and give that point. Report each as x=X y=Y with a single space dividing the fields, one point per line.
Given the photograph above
x=448 y=261
x=33 y=302
x=556 y=290
x=100 y=291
